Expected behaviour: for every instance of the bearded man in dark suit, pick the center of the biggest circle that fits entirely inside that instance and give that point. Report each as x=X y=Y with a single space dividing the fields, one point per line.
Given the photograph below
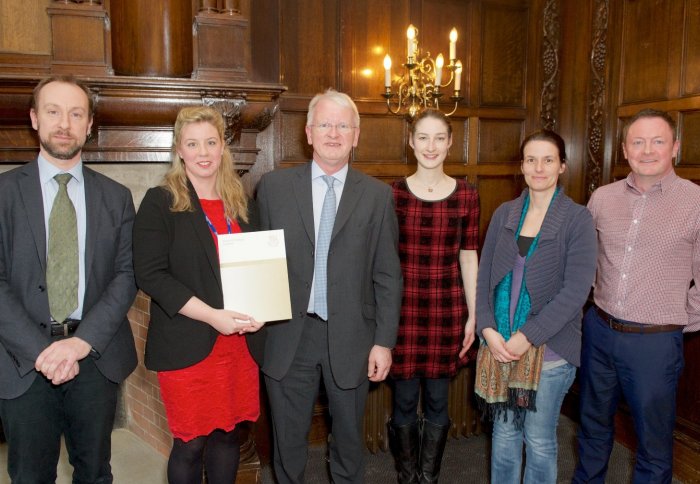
x=66 y=284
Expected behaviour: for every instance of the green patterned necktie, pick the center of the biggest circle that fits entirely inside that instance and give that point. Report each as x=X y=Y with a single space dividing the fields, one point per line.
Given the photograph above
x=62 y=263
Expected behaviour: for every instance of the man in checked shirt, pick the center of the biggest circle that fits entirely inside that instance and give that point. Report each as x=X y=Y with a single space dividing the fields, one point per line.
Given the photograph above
x=649 y=253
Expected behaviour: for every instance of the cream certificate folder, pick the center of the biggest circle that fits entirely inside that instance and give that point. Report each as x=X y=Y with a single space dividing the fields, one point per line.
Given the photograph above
x=254 y=274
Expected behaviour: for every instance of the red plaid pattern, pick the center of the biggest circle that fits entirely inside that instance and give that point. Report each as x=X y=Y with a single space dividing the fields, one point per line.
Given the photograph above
x=434 y=308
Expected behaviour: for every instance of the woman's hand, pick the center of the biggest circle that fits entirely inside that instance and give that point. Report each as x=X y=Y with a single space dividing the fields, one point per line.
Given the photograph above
x=229 y=322
x=518 y=344
x=253 y=326
x=469 y=335
x=224 y=321
x=497 y=346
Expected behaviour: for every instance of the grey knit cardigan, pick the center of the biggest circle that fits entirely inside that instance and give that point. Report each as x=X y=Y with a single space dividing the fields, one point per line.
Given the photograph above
x=558 y=275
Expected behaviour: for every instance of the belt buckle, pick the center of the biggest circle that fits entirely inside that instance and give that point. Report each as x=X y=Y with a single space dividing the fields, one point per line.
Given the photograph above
x=65 y=329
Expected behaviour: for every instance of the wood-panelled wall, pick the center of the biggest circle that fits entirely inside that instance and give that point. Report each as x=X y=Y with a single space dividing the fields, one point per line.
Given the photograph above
x=341 y=44
x=578 y=67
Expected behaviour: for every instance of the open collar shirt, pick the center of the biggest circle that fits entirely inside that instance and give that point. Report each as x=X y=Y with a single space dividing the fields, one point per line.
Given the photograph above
x=649 y=251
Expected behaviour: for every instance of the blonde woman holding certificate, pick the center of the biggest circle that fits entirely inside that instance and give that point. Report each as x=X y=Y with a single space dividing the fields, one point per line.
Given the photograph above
x=208 y=380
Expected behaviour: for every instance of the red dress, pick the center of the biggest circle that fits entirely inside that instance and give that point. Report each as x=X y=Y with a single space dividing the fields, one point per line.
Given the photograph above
x=434 y=308
x=221 y=390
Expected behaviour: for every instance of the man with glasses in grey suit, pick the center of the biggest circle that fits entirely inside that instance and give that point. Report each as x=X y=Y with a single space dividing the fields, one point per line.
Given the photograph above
x=345 y=281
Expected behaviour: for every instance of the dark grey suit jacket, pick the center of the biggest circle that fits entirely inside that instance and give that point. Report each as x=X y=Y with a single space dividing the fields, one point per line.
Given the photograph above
x=364 y=273
x=109 y=287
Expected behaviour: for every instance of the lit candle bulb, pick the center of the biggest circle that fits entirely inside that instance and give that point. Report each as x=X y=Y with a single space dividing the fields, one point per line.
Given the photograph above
x=458 y=76
x=453 y=44
x=387 y=71
x=439 y=62
x=411 y=35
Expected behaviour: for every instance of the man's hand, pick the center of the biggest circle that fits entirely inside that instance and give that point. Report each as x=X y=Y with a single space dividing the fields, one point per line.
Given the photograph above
x=59 y=362
x=379 y=363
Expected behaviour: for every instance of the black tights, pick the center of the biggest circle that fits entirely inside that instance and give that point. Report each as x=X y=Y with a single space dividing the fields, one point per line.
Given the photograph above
x=218 y=452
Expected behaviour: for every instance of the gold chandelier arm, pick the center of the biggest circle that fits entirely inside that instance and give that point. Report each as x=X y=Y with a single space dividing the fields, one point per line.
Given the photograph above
x=454 y=110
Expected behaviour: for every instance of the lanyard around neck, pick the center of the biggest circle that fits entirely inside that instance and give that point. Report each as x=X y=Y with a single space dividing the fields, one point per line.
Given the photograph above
x=213 y=229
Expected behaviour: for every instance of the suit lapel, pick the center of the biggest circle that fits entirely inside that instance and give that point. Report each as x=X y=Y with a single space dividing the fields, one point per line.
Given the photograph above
x=302 y=192
x=30 y=191
x=201 y=229
x=93 y=207
x=351 y=195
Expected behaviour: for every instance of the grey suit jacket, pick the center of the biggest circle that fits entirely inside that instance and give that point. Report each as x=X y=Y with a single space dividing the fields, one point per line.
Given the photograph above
x=110 y=289
x=364 y=273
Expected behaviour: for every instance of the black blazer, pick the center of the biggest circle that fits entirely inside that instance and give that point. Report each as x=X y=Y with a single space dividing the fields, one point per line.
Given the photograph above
x=174 y=259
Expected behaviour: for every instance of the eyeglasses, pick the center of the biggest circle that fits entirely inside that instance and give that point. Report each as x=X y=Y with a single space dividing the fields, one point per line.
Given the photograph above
x=342 y=128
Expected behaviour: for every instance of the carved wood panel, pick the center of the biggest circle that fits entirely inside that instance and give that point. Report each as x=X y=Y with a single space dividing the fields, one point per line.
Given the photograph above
x=691 y=61
x=370 y=30
x=499 y=140
x=504 y=40
x=25 y=26
x=690 y=141
x=646 y=49
x=309 y=40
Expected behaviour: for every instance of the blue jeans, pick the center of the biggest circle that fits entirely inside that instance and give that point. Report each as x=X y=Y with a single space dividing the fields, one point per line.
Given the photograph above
x=539 y=434
x=644 y=368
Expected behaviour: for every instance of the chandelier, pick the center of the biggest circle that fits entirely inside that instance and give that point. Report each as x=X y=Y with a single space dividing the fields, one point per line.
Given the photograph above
x=420 y=85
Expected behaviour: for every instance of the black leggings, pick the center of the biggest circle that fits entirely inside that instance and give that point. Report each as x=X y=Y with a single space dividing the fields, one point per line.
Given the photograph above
x=435 y=398
x=217 y=452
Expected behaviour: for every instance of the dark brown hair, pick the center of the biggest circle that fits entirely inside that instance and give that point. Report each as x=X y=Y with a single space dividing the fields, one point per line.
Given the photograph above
x=68 y=80
x=545 y=135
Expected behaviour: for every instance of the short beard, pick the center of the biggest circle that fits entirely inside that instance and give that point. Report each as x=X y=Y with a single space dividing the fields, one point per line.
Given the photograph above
x=60 y=155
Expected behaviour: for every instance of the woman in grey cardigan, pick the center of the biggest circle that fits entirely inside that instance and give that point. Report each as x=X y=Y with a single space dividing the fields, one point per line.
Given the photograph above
x=537 y=266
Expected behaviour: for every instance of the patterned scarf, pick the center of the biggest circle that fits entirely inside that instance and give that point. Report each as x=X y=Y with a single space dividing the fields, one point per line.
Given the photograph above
x=510 y=386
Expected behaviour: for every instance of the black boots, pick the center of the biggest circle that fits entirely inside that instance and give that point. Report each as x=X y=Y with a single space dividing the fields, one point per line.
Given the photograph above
x=403 y=442
x=432 y=446
x=418 y=461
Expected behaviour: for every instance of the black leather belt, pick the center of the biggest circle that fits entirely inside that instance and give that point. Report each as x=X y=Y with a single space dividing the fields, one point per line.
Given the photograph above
x=623 y=327
x=316 y=317
x=66 y=328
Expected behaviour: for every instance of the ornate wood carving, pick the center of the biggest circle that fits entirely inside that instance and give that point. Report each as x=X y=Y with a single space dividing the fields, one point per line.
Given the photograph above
x=549 y=100
x=597 y=97
x=230 y=109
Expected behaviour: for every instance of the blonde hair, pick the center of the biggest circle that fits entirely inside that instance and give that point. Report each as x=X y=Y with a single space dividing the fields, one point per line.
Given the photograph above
x=228 y=183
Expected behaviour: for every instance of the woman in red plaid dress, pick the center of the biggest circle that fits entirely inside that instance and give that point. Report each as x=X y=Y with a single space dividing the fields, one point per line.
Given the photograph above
x=439 y=235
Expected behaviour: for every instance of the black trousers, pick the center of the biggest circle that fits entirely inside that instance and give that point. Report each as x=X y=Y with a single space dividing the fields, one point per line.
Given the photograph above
x=81 y=409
